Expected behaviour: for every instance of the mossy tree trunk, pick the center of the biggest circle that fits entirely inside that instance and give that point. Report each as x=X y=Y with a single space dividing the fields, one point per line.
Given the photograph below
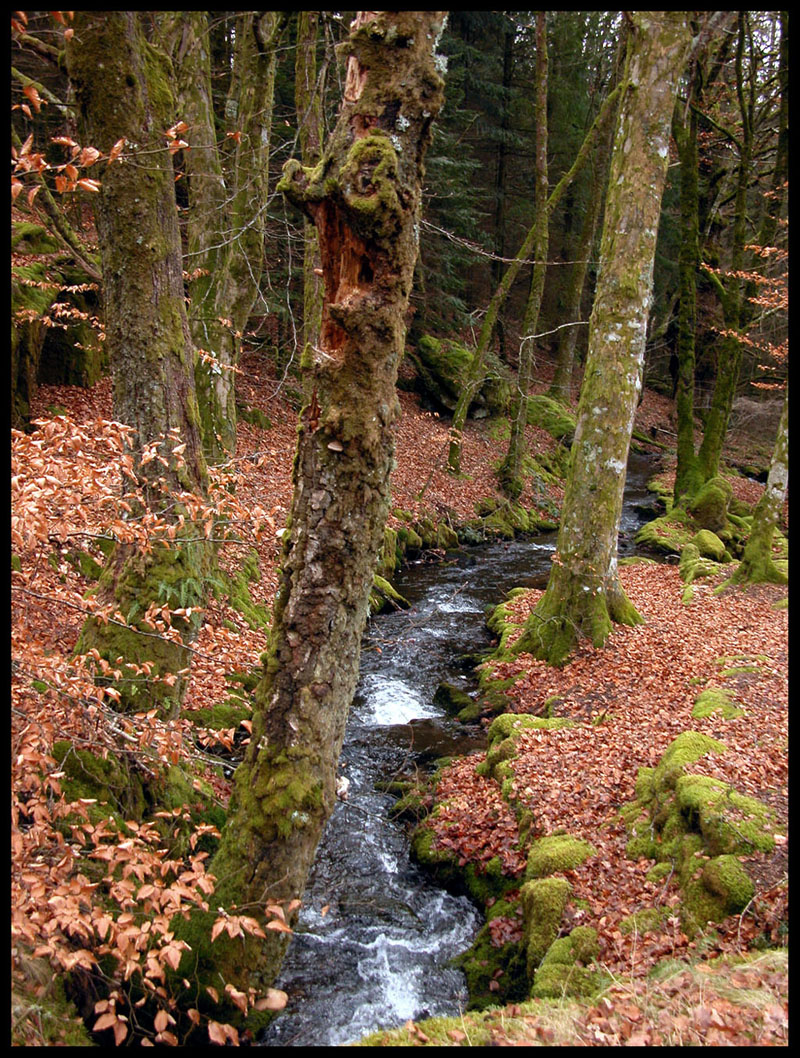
x=122 y=86
x=685 y=135
x=584 y=595
x=511 y=469
x=757 y=562
x=476 y=371
x=730 y=289
x=308 y=91
x=560 y=388
x=364 y=198
x=228 y=187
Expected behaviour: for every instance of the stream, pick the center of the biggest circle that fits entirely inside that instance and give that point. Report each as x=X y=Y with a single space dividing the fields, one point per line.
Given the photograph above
x=375 y=935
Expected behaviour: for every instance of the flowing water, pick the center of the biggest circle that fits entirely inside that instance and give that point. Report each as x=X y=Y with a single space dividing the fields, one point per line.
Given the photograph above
x=375 y=936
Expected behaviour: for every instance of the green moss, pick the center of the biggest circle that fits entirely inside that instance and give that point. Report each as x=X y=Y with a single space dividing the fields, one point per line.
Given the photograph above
x=107 y=779
x=710 y=546
x=648 y=918
x=687 y=748
x=556 y=852
x=670 y=533
x=46 y=1014
x=727 y=878
x=716 y=700
x=384 y=598
x=560 y=973
x=543 y=903
x=709 y=506
x=729 y=821
x=552 y=416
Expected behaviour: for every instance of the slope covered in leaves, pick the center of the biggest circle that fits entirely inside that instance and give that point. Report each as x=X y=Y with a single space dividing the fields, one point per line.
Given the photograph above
x=629 y=701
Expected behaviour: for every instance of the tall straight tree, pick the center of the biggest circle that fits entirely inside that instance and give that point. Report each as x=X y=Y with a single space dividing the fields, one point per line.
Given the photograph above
x=510 y=472
x=228 y=188
x=308 y=90
x=584 y=594
x=122 y=86
x=364 y=199
x=475 y=371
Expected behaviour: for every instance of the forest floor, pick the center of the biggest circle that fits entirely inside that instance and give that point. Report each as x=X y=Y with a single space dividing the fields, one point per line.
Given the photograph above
x=630 y=699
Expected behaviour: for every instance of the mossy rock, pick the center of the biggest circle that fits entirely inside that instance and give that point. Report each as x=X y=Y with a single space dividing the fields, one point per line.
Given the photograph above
x=552 y=416
x=384 y=598
x=442 y=366
x=648 y=918
x=716 y=700
x=254 y=416
x=710 y=546
x=53 y=1018
x=729 y=821
x=543 y=904
x=564 y=971
x=669 y=534
x=724 y=888
x=556 y=852
x=686 y=749
x=108 y=780
x=709 y=506
x=693 y=566
x=494 y=974
x=456 y=702
x=222 y=716
x=30 y=238
x=502 y=737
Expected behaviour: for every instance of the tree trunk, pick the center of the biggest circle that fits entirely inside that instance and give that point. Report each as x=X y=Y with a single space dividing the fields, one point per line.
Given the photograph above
x=687 y=479
x=584 y=594
x=122 y=87
x=475 y=371
x=227 y=199
x=757 y=562
x=308 y=104
x=364 y=198
x=731 y=290
x=561 y=386
x=511 y=470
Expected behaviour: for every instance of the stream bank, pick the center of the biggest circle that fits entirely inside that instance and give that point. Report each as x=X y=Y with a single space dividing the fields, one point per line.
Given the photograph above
x=377 y=935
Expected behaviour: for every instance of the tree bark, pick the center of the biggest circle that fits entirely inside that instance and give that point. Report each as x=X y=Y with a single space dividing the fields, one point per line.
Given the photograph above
x=757 y=563
x=511 y=470
x=308 y=104
x=228 y=188
x=122 y=87
x=475 y=371
x=364 y=198
x=584 y=595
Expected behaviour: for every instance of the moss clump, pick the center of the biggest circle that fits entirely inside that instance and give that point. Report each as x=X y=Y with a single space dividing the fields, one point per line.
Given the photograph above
x=46 y=1015
x=384 y=598
x=709 y=506
x=556 y=852
x=678 y=818
x=441 y=368
x=716 y=700
x=710 y=546
x=456 y=702
x=646 y=919
x=495 y=974
x=552 y=416
x=543 y=903
x=564 y=971
x=503 y=733
x=686 y=749
x=106 y=779
x=729 y=821
x=670 y=533
x=238 y=588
